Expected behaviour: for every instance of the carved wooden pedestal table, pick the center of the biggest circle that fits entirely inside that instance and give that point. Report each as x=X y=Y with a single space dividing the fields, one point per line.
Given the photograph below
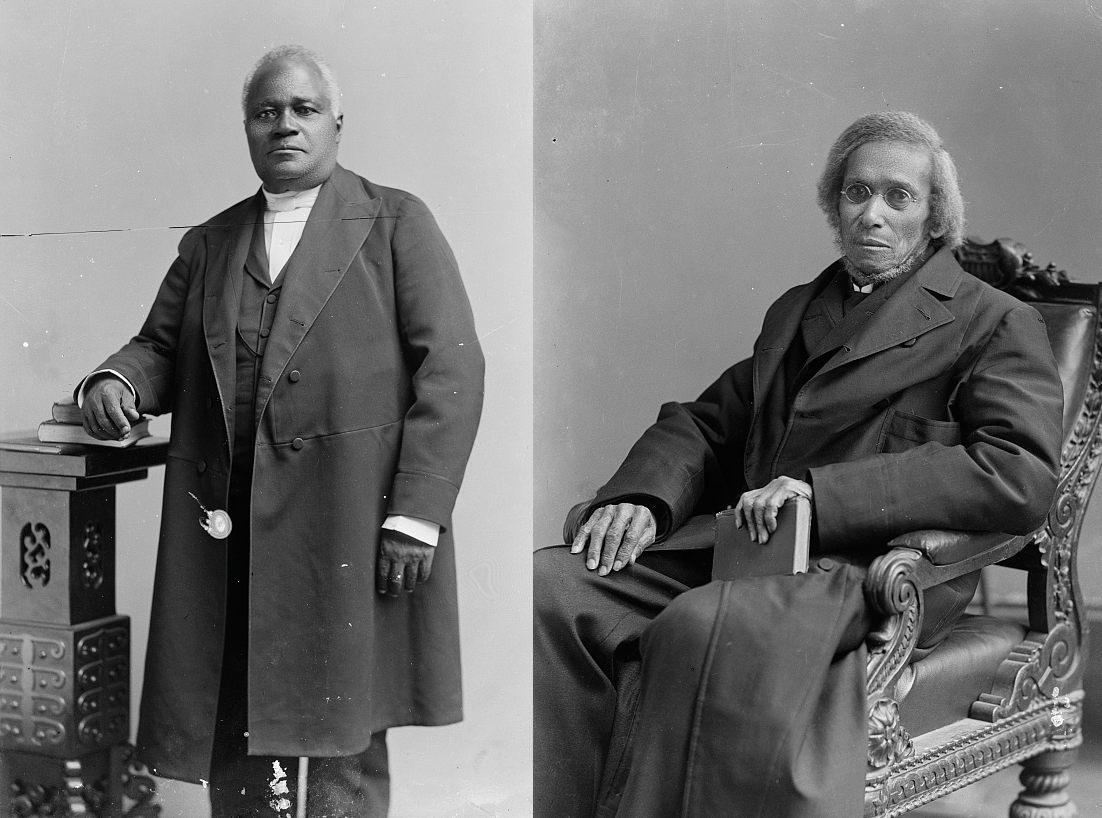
x=64 y=651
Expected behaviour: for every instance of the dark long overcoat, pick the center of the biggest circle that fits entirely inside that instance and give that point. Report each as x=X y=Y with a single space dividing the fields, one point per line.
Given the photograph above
x=368 y=397
x=942 y=410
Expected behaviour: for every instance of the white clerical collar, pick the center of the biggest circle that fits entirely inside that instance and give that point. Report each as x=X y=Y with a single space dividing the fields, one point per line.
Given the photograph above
x=292 y=199
x=868 y=288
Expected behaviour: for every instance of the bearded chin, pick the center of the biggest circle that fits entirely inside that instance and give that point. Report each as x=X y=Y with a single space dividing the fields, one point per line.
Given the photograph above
x=863 y=278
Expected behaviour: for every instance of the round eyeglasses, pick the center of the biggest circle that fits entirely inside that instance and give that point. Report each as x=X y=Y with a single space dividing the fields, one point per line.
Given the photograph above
x=898 y=198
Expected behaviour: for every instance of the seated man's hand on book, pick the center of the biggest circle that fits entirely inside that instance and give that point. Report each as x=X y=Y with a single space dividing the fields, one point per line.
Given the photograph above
x=615 y=536
x=757 y=509
x=109 y=408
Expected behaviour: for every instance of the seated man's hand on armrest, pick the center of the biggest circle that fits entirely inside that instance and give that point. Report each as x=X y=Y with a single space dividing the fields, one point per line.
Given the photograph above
x=757 y=509
x=616 y=536
x=109 y=408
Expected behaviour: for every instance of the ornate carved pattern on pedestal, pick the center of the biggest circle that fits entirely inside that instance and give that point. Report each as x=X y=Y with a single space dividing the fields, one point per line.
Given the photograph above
x=62 y=699
x=33 y=691
x=33 y=800
x=138 y=787
x=84 y=798
x=64 y=652
x=91 y=565
x=34 y=555
x=103 y=685
x=74 y=797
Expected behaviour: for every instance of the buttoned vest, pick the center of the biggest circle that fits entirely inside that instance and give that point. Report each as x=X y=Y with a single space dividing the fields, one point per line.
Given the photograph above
x=257 y=309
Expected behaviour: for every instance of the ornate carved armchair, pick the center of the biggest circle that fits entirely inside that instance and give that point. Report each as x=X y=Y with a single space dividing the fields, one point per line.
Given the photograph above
x=995 y=692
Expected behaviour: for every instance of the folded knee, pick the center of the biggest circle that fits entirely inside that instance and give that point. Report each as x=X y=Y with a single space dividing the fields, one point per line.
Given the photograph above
x=556 y=580
x=688 y=621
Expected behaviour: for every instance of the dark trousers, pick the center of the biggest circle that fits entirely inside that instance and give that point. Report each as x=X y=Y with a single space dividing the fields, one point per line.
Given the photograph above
x=244 y=786
x=658 y=693
x=586 y=631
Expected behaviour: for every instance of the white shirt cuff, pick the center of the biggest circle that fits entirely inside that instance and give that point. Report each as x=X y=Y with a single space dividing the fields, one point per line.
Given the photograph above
x=119 y=375
x=423 y=530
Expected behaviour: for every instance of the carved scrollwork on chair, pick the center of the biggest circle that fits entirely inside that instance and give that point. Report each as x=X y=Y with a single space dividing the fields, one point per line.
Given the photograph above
x=1029 y=674
x=896 y=603
x=1032 y=711
x=889 y=740
x=894 y=597
x=1008 y=265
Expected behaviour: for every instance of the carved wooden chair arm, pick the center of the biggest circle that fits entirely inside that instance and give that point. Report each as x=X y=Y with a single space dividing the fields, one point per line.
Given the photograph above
x=895 y=582
x=935 y=556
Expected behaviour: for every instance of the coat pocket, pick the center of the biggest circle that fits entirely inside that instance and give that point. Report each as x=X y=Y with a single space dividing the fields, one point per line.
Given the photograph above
x=905 y=431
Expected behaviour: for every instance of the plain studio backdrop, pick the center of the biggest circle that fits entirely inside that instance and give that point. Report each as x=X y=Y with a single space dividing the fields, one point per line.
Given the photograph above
x=677 y=149
x=124 y=126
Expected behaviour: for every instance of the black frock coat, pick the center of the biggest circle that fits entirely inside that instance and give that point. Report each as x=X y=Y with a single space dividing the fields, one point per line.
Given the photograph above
x=368 y=399
x=941 y=410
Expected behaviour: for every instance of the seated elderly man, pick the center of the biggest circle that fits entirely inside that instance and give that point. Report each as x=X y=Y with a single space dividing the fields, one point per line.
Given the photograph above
x=894 y=390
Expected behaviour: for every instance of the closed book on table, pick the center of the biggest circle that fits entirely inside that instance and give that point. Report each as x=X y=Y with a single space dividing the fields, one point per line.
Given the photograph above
x=67 y=411
x=29 y=442
x=51 y=431
x=786 y=552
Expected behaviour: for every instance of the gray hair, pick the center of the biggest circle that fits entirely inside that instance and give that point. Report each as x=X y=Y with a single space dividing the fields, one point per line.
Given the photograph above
x=946 y=202
x=301 y=54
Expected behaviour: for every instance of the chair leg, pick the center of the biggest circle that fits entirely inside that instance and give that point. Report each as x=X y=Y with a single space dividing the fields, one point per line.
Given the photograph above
x=1045 y=778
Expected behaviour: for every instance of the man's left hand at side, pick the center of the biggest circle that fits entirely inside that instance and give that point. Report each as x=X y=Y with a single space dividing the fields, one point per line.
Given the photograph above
x=403 y=561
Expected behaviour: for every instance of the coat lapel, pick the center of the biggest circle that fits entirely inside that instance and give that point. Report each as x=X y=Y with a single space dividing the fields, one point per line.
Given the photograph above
x=782 y=323
x=819 y=319
x=913 y=310
x=339 y=224
x=227 y=248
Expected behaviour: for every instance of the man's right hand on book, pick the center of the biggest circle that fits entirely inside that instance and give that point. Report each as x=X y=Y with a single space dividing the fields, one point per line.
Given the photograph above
x=109 y=408
x=614 y=536
x=757 y=509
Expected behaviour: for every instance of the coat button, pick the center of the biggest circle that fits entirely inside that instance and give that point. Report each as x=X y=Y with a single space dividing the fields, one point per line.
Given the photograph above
x=264 y=333
x=826 y=564
x=910 y=342
x=272 y=298
x=294 y=376
x=297 y=443
x=201 y=466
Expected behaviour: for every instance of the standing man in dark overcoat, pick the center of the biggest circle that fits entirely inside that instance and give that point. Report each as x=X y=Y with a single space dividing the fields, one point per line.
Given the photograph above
x=316 y=348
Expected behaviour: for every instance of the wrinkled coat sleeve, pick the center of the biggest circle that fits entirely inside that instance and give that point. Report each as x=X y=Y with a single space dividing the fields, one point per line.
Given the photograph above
x=1004 y=470
x=445 y=363
x=148 y=360
x=690 y=459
